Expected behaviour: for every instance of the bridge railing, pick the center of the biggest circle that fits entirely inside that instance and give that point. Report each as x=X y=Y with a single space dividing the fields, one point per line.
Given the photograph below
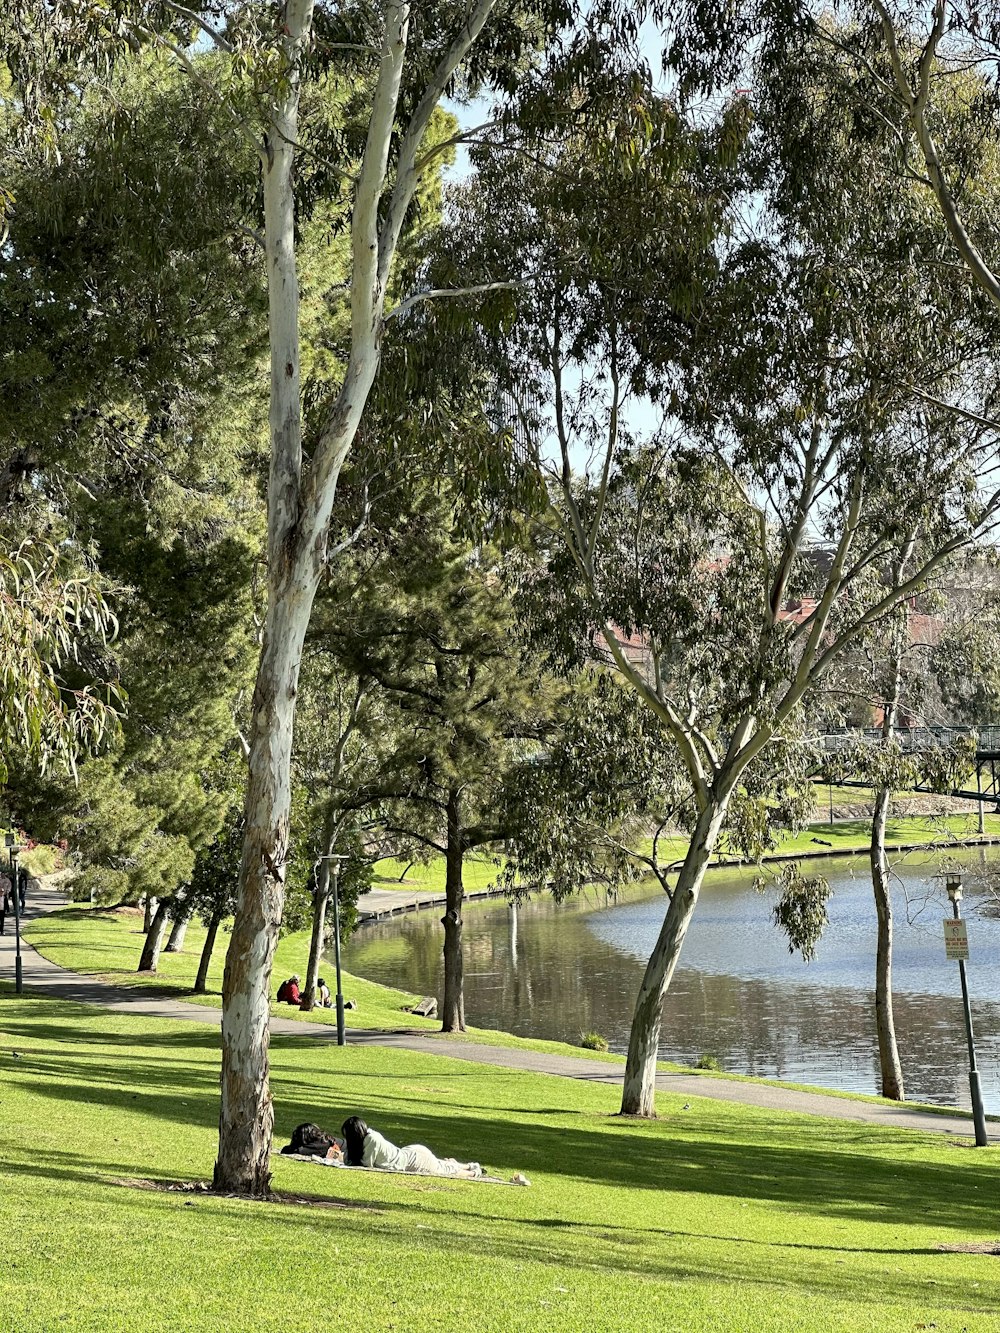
x=914 y=738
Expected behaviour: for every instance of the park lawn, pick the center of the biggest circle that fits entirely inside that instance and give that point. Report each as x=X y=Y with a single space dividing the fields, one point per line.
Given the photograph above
x=478 y=874
x=854 y=835
x=715 y=1217
x=107 y=942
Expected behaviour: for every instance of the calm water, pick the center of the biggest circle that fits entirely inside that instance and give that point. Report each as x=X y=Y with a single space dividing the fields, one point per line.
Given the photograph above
x=549 y=970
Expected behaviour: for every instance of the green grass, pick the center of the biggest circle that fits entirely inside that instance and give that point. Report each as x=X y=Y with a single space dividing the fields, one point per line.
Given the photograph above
x=854 y=835
x=717 y=1217
x=478 y=873
x=107 y=943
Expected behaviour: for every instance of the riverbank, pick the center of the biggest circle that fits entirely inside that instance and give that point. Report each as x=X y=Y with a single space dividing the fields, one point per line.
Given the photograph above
x=405 y=888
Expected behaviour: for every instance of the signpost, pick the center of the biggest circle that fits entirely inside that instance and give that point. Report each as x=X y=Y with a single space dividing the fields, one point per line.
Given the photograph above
x=956 y=946
x=956 y=940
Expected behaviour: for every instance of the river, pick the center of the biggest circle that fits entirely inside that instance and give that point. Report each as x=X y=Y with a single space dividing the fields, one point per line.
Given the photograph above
x=556 y=970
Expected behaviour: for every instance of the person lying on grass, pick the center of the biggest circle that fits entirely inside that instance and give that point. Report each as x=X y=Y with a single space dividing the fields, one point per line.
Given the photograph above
x=310 y=1141
x=366 y=1147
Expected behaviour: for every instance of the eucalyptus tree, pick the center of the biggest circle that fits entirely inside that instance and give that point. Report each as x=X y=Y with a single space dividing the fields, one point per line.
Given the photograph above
x=928 y=72
x=53 y=615
x=778 y=339
x=408 y=61
x=889 y=673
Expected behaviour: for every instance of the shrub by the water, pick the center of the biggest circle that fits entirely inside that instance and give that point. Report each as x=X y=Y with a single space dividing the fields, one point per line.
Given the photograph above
x=593 y=1041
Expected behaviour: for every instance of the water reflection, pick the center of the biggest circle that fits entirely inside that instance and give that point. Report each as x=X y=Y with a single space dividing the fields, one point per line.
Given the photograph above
x=554 y=971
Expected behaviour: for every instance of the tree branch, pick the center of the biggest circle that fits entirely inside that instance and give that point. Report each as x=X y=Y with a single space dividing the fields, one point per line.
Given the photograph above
x=437 y=293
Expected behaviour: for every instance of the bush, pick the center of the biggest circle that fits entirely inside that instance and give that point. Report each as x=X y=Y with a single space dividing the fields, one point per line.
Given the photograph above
x=593 y=1041
x=708 y=1062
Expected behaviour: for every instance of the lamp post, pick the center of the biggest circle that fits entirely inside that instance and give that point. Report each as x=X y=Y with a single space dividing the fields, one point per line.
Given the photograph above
x=336 y=858
x=953 y=885
x=12 y=855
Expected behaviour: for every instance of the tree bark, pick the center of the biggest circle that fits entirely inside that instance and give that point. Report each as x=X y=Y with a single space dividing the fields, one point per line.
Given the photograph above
x=892 y=1072
x=182 y=920
x=201 y=980
x=246 y=1114
x=149 y=911
x=453 y=1007
x=154 y=939
x=639 y=1089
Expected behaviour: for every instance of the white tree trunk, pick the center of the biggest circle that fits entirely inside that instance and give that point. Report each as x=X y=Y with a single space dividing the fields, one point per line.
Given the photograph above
x=888 y=1052
x=299 y=507
x=639 y=1089
x=246 y=1114
x=178 y=930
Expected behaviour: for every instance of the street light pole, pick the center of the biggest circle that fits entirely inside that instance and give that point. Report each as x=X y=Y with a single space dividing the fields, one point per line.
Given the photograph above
x=954 y=888
x=12 y=855
x=341 y=1032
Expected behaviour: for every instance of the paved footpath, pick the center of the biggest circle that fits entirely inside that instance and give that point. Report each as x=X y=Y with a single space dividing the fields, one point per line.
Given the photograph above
x=42 y=977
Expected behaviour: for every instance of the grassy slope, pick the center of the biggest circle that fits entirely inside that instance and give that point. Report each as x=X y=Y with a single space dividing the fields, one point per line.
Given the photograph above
x=843 y=836
x=854 y=835
x=716 y=1217
x=478 y=873
x=108 y=944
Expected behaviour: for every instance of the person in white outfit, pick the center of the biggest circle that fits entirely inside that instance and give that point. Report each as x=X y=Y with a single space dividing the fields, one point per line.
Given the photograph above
x=366 y=1147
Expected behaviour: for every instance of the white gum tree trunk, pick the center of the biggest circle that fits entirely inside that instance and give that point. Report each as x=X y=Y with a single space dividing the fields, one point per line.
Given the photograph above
x=639 y=1088
x=300 y=501
x=888 y=1053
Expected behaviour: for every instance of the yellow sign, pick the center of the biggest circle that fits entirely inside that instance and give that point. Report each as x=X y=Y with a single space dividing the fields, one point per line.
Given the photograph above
x=956 y=940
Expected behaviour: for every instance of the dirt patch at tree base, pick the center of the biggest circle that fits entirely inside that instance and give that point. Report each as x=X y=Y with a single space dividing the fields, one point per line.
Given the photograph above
x=201 y=1189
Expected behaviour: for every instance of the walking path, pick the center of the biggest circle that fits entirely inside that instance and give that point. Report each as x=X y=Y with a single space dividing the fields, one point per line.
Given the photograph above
x=42 y=977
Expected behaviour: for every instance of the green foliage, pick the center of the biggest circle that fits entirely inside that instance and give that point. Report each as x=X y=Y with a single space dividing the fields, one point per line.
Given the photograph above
x=593 y=1041
x=50 y=606
x=800 y=911
x=582 y=805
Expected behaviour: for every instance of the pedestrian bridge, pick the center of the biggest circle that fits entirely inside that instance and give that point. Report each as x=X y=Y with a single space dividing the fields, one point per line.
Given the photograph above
x=920 y=740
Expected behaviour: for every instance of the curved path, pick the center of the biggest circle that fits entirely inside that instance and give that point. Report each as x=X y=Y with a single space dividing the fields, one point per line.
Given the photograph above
x=46 y=978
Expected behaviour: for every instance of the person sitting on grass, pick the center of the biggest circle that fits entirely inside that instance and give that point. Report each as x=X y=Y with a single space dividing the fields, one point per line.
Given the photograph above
x=288 y=991
x=323 y=995
x=366 y=1147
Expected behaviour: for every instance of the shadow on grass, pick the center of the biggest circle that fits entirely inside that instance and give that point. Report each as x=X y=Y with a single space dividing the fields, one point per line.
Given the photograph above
x=802 y=1169
x=805 y=1166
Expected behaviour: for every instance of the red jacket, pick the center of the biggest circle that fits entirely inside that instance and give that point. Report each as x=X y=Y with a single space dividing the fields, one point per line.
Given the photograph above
x=288 y=993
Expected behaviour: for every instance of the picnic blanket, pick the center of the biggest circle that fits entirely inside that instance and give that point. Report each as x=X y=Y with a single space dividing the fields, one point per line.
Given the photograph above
x=343 y=1166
